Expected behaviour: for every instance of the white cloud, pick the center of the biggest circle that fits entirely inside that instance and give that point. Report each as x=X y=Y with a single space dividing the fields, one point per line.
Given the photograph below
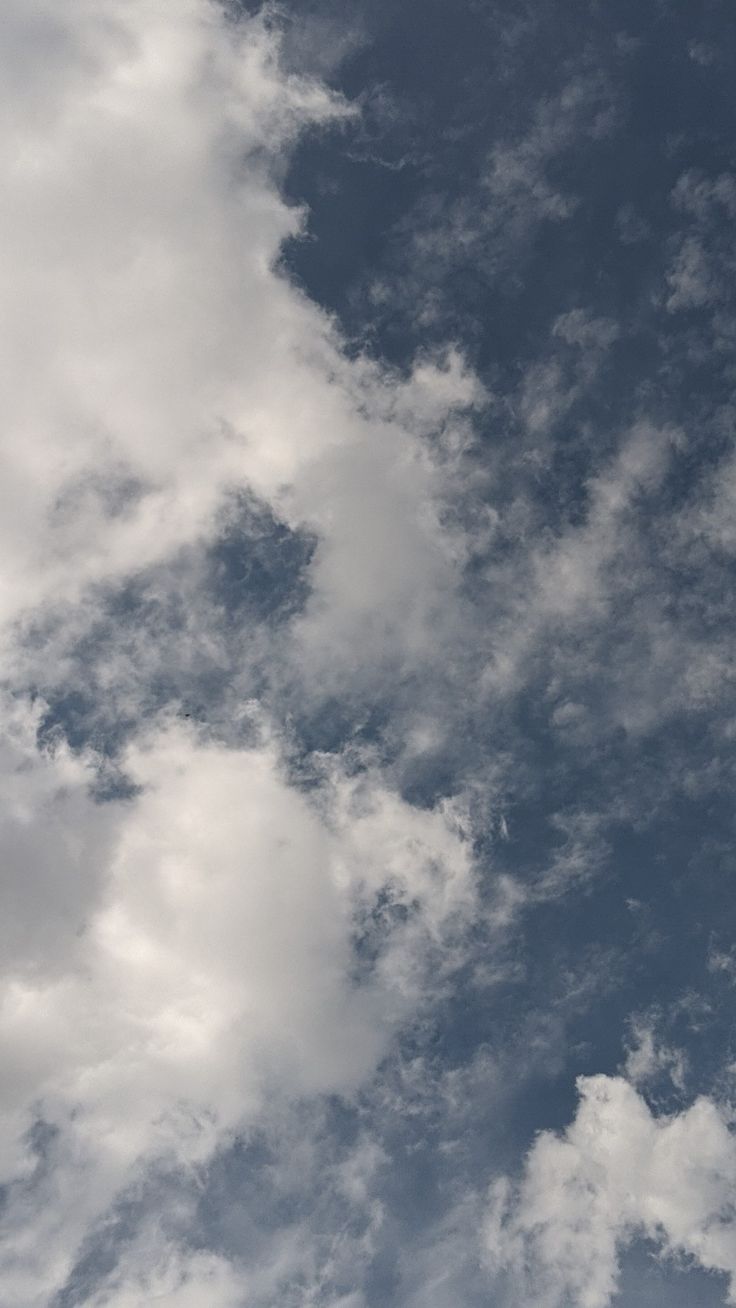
x=489 y=226
x=54 y=840
x=136 y=270
x=553 y=385
x=648 y=1057
x=156 y=359
x=702 y=261
x=171 y=1278
x=179 y=962
x=571 y=579
x=616 y=1173
x=690 y=278
x=214 y=972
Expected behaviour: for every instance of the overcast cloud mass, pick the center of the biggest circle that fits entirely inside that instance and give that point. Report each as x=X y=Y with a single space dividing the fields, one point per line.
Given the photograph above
x=368 y=521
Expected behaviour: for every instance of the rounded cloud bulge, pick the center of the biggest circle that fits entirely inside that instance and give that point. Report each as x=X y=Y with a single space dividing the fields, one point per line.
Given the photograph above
x=210 y=973
x=619 y=1172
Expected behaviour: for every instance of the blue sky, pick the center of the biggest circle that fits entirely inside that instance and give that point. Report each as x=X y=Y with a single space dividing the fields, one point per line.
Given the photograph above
x=367 y=748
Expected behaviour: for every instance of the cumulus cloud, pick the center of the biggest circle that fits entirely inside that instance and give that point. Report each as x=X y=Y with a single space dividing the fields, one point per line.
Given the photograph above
x=214 y=939
x=618 y=1172
x=572 y=577
x=215 y=972
x=489 y=227
x=157 y=360
x=131 y=253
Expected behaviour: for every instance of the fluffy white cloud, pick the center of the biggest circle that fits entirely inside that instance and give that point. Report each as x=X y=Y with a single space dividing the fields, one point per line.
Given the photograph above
x=617 y=1172
x=212 y=971
x=155 y=357
x=54 y=839
x=177 y=962
x=137 y=276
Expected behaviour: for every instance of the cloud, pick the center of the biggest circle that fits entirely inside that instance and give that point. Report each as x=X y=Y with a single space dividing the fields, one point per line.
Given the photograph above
x=215 y=971
x=615 y=1174
x=702 y=260
x=137 y=261
x=159 y=360
x=219 y=939
x=173 y=1279
x=552 y=386
x=487 y=229
x=567 y=581
x=54 y=839
x=648 y=1058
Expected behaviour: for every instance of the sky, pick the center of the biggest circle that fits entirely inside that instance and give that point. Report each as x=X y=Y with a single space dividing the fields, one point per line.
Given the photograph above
x=368 y=520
